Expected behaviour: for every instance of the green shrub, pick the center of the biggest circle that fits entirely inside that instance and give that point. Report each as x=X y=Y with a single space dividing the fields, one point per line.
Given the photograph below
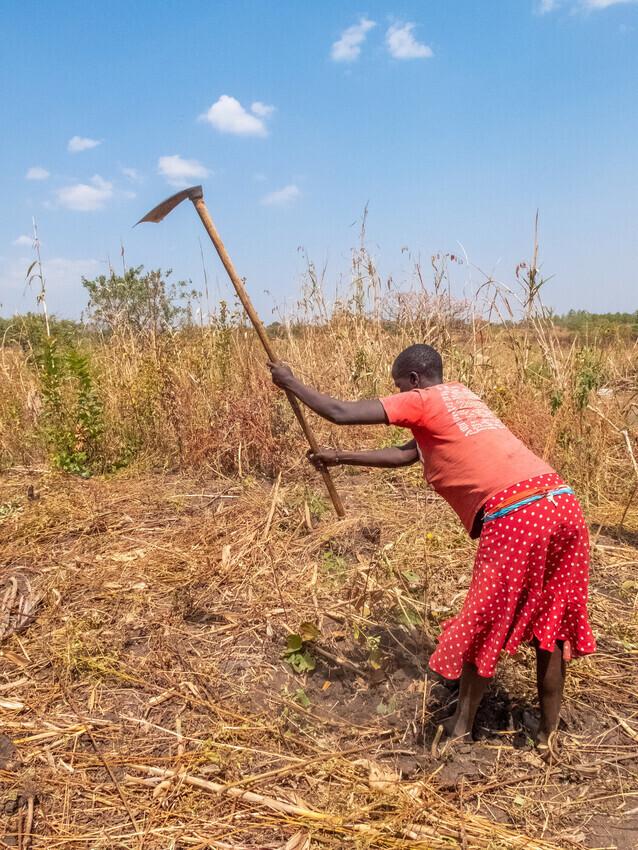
x=72 y=411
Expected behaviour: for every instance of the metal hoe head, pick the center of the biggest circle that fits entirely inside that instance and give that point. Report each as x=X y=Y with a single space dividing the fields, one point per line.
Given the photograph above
x=162 y=210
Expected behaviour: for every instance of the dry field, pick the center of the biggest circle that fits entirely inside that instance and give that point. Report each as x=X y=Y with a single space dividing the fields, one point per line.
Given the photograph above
x=195 y=653
x=147 y=702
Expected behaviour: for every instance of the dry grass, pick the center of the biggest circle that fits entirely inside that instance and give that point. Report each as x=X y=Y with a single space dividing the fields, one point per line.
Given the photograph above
x=148 y=704
x=200 y=397
x=144 y=698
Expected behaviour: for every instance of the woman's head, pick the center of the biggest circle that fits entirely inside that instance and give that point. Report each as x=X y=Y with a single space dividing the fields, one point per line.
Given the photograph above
x=417 y=367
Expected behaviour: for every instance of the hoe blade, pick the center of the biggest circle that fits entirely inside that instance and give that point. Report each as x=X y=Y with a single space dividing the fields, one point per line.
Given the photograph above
x=162 y=210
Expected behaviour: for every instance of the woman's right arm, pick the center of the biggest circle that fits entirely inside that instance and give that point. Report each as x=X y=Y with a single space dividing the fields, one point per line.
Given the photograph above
x=390 y=458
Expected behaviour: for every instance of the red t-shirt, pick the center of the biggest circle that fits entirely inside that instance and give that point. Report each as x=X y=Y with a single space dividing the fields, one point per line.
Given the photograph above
x=468 y=454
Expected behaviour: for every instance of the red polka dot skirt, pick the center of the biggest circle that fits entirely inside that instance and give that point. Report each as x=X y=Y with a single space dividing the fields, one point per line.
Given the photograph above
x=530 y=581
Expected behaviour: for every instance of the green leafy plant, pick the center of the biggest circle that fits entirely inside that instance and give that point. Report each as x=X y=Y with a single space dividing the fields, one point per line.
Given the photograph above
x=301 y=697
x=141 y=302
x=411 y=577
x=556 y=400
x=317 y=505
x=409 y=616
x=588 y=375
x=334 y=564
x=222 y=326
x=72 y=415
x=297 y=652
x=385 y=708
x=373 y=645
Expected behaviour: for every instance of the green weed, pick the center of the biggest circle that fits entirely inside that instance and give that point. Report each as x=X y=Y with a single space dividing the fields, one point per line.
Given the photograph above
x=73 y=414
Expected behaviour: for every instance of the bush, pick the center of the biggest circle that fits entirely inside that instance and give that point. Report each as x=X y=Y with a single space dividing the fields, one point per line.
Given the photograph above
x=142 y=303
x=72 y=418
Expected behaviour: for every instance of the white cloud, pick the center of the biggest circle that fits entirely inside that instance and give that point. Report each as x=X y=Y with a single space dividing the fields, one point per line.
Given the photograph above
x=132 y=173
x=37 y=173
x=403 y=45
x=281 y=197
x=604 y=4
x=545 y=6
x=228 y=116
x=23 y=241
x=263 y=110
x=63 y=276
x=81 y=143
x=86 y=197
x=60 y=267
x=348 y=47
x=181 y=172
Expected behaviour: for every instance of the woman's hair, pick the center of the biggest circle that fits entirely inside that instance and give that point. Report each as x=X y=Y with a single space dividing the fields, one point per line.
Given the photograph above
x=422 y=359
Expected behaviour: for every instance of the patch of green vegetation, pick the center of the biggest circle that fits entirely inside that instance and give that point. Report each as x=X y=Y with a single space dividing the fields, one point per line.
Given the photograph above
x=389 y=707
x=411 y=577
x=589 y=375
x=297 y=652
x=406 y=615
x=556 y=400
x=364 y=374
x=29 y=331
x=73 y=414
x=302 y=698
x=317 y=505
x=101 y=668
x=9 y=508
x=607 y=324
x=141 y=302
x=373 y=645
x=538 y=373
x=392 y=436
x=335 y=566
x=82 y=659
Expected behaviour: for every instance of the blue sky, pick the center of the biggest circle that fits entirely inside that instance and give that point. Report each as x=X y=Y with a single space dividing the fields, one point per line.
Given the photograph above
x=453 y=120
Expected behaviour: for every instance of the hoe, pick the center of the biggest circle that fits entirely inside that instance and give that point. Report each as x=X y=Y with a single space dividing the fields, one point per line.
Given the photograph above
x=196 y=195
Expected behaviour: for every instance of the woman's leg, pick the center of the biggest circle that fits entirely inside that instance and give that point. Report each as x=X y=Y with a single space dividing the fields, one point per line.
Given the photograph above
x=550 y=678
x=471 y=690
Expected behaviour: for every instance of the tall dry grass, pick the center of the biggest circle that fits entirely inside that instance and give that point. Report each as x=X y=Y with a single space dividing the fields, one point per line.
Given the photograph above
x=200 y=395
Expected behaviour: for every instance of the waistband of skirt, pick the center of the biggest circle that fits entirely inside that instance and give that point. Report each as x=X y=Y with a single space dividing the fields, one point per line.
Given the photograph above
x=519 y=490
x=511 y=507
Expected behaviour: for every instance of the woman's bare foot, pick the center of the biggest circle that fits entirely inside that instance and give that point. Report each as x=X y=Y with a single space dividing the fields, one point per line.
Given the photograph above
x=449 y=735
x=457 y=728
x=545 y=740
x=547 y=745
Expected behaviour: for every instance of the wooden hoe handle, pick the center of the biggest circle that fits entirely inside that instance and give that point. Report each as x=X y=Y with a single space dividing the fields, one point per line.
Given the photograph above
x=238 y=283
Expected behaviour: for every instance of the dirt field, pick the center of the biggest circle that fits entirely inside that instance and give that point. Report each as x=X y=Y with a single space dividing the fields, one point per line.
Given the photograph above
x=145 y=700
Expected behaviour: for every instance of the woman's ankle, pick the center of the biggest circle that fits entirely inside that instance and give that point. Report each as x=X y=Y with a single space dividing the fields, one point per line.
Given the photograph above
x=545 y=730
x=458 y=726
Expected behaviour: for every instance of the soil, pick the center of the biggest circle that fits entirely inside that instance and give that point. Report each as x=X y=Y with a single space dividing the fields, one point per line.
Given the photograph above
x=165 y=619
